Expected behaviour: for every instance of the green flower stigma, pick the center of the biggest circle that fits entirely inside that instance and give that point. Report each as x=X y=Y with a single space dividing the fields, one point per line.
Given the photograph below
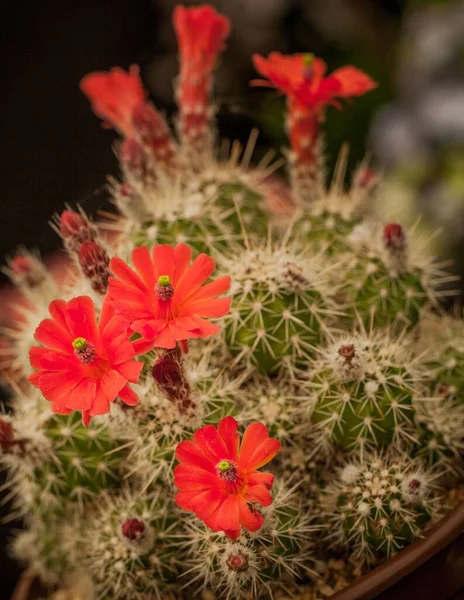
x=164 y=280
x=308 y=59
x=79 y=343
x=224 y=466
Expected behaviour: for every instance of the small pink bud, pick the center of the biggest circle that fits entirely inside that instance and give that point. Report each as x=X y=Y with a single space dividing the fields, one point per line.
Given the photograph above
x=414 y=485
x=75 y=229
x=94 y=262
x=237 y=562
x=348 y=352
x=22 y=265
x=394 y=237
x=133 y=529
x=26 y=270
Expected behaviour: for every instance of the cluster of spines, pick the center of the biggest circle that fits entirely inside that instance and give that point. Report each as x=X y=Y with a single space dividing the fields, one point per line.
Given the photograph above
x=360 y=392
x=378 y=505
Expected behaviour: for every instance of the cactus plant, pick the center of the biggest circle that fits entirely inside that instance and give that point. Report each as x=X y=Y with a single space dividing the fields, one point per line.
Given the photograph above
x=306 y=354
x=379 y=505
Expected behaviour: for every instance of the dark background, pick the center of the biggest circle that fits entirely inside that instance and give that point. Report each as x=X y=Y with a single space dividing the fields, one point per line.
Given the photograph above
x=53 y=150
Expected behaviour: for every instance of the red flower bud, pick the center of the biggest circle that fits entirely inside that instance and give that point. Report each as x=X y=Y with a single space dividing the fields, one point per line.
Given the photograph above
x=133 y=529
x=348 y=352
x=414 y=485
x=75 y=229
x=94 y=262
x=22 y=265
x=26 y=270
x=394 y=237
x=169 y=375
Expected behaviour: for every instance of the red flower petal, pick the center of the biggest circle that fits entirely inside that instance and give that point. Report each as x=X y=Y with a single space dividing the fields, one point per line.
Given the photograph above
x=227 y=429
x=211 y=443
x=82 y=396
x=199 y=271
x=189 y=454
x=257 y=447
x=185 y=477
x=226 y=516
x=258 y=493
x=163 y=261
x=128 y=396
x=183 y=256
x=130 y=370
x=50 y=334
x=141 y=260
x=252 y=521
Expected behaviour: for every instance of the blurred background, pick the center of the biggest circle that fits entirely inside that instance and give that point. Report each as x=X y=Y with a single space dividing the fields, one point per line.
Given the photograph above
x=53 y=150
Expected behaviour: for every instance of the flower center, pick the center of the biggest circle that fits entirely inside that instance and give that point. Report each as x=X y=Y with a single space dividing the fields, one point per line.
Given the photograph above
x=308 y=69
x=227 y=470
x=163 y=289
x=84 y=350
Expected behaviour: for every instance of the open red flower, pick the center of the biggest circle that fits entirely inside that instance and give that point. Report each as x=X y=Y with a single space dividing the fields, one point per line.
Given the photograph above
x=218 y=479
x=302 y=77
x=164 y=298
x=84 y=365
x=114 y=95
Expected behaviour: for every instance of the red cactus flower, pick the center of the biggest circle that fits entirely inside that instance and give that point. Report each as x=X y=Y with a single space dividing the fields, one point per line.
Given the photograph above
x=301 y=77
x=218 y=479
x=114 y=95
x=84 y=365
x=164 y=298
x=201 y=33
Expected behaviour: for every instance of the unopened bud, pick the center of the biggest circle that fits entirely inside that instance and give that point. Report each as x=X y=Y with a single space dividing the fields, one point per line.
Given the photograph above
x=238 y=561
x=76 y=229
x=27 y=270
x=133 y=529
x=348 y=352
x=170 y=378
x=414 y=485
x=395 y=242
x=94 y=262
x=394 y=237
